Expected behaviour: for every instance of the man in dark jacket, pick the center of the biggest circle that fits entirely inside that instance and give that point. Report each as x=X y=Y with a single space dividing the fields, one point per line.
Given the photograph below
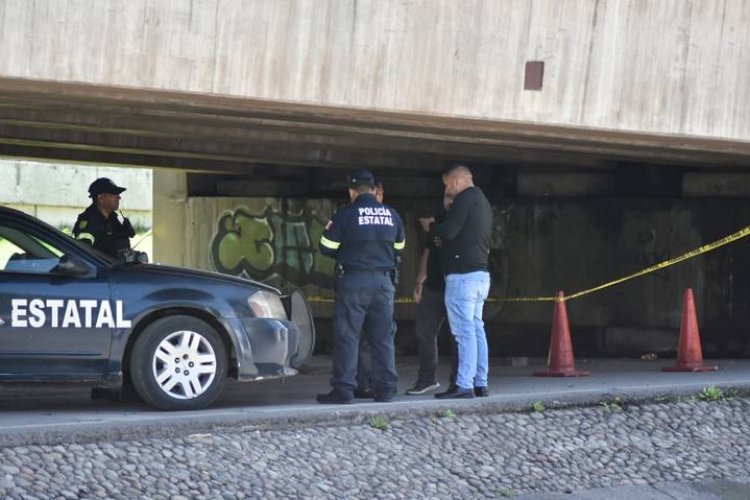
x=99 y=225
x=429 y=294
x=465 y=236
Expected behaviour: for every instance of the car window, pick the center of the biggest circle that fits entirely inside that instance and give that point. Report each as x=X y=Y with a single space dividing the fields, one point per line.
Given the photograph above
x=21 y=252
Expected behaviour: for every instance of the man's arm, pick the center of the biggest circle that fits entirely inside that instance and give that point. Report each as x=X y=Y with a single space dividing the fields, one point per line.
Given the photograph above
x=400 y=243
x=454 y=220
x=421 y=275
x=330 y=240
x=127 y=226
x=82 y=231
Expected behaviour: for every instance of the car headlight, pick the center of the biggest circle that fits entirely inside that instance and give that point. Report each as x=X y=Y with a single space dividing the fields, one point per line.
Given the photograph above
x=266 y=305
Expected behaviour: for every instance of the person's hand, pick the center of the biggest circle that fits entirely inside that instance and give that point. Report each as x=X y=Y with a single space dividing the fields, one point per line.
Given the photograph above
x=425 y=222
x=418 y=292
x=128 y=227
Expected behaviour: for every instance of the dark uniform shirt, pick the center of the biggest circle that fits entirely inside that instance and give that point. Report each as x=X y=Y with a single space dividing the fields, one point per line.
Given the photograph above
x=364 y=236
x=106 y=234
x=465 y=234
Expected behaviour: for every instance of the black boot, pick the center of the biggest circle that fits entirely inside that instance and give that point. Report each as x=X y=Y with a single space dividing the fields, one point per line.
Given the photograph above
x=364 y=393
x=334 y=398
x=456 y=392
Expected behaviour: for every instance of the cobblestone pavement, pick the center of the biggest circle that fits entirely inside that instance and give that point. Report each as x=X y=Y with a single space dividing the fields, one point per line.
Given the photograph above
x=444 y=456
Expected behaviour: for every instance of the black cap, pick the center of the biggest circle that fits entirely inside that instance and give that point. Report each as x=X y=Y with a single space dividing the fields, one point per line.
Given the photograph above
x=104 y=185
x=360 y=178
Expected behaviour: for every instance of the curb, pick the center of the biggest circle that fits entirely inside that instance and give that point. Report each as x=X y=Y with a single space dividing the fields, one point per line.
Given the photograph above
x=228 y=420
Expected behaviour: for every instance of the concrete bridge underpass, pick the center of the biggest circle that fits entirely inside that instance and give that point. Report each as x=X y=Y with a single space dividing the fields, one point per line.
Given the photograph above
x=608 y=136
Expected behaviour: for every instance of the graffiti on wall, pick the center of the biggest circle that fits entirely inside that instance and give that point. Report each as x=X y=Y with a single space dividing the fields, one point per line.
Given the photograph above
x=278 y=245
x=272 y=246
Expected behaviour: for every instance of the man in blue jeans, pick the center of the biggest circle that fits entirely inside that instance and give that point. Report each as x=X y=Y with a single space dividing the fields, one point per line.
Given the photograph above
x=465 y=236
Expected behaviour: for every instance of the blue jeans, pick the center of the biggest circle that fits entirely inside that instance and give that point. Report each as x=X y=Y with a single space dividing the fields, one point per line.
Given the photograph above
x=464 y=300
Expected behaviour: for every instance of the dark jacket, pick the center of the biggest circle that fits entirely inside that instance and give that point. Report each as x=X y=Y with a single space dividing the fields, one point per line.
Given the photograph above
x=465 y=234
x=434 y=280
x=364 y=235
x=106 y=234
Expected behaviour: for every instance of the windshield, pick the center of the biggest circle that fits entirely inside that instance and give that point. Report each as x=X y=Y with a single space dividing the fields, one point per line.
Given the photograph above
x=20 y=252
x=30 y=238
x=88 y=248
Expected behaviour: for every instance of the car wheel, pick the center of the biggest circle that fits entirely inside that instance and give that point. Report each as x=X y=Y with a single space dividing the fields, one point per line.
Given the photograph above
x=178 y=363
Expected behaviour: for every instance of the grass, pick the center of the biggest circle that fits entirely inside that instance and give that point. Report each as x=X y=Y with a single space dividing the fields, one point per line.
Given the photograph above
x=379 y=422
x=711 y=393
x=447 y=413
x=538 y=407
x=614 y=405
x=506 y=492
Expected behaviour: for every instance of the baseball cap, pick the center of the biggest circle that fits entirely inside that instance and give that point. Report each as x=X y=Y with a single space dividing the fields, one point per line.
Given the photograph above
x=360 y=178
x=104 y=185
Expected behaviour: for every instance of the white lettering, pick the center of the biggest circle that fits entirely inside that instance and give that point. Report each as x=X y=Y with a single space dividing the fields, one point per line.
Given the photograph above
x=88 y=313
x=36 y=313
x=88 y=307
x=54 y=307
x=105 y=316
x=71 y=315
x=375 y=220
x=121 y=322
x=18 y=314
x=375 y=211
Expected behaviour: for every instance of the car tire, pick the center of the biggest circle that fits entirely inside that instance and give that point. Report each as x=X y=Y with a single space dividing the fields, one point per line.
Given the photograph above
x=178 y=363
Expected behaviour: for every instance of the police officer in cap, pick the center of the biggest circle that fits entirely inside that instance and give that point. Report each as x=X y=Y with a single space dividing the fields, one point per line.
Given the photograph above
x=99 y=224
x=365 y=237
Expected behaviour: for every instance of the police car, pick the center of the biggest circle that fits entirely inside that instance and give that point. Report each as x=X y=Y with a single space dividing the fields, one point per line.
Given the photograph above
x=69 y=313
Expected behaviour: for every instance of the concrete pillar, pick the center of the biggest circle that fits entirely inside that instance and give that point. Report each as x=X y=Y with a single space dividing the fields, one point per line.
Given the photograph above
x=170 y=195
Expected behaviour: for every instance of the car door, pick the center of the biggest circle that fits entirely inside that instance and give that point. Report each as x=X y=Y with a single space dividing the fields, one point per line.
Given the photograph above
x=54 y=324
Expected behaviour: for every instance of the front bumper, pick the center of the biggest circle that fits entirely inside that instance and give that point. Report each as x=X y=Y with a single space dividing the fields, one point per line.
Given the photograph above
x=271 y=348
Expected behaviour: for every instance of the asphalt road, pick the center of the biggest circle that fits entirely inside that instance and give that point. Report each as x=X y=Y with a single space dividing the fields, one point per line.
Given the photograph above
x=51 y=414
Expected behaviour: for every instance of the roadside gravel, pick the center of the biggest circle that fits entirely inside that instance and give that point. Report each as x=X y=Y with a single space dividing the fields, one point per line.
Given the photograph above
x=489 y=455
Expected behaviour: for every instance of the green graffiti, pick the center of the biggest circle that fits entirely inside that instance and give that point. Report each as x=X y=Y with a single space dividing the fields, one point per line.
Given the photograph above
x=261 y=246
x=257 y=254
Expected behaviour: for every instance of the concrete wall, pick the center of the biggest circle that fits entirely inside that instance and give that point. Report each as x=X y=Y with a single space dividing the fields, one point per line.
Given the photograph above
x=170 y=224
x=57 y=193
x=539 y=247
x=662 y=66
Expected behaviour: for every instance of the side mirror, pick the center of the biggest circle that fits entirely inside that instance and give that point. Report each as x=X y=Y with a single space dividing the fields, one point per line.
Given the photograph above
x=130 y=256
x=70 y=266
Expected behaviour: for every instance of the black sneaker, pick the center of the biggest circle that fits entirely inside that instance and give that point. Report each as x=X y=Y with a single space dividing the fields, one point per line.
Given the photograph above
x=456 y=392
x=333 y=398
x=481 y=392
x=451 y=388
x=367 y=393
x=420 y=388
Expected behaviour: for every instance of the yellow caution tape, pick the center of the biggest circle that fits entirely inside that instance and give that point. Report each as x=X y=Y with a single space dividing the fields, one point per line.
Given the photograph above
x=331 y=300
x=742 y=233
x=745 y=231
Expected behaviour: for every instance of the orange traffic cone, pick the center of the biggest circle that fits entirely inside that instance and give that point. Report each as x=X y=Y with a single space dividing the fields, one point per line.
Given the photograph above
x=560 y=361
x=689 y=352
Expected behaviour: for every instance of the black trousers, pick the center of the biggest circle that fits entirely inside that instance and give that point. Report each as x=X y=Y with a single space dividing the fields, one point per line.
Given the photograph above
x=364 y=305
x=430 y=316
x=364 y=363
